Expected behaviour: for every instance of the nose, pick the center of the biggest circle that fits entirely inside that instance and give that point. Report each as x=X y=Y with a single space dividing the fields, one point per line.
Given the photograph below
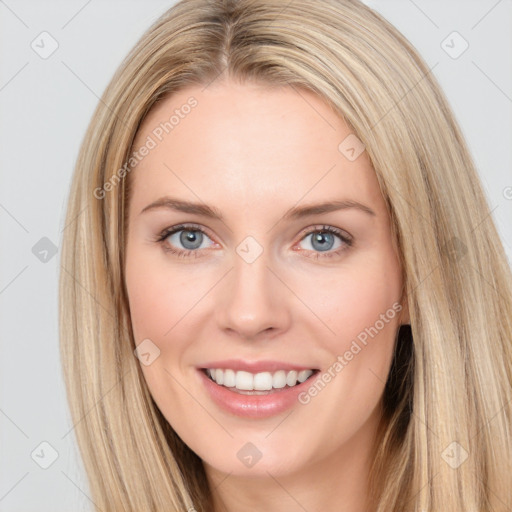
x=253 y=301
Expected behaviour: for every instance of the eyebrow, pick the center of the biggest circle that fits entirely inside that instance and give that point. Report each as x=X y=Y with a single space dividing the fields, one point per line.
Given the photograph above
x=297 y=212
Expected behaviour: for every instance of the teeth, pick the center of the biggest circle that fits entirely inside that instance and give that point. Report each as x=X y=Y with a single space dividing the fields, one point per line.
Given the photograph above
x=263 y=381
x=291 y=378
x=303 y=375
x=244 y=380
x=279 y=379
x=229 y=378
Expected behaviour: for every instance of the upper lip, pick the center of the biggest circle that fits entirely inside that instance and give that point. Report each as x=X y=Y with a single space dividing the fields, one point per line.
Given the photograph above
x=255 y=366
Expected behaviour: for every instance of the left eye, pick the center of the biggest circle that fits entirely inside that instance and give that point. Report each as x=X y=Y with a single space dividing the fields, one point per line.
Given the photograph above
x=322 y=240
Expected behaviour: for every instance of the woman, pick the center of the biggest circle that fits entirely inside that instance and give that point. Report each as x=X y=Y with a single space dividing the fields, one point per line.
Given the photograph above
x=283 y=288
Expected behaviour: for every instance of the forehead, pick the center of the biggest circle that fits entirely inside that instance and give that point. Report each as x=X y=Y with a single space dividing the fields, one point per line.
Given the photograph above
x=244 y=143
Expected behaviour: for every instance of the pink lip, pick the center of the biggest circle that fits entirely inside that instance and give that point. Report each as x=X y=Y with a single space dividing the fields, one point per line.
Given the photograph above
x=254 y=366
x=253 y=406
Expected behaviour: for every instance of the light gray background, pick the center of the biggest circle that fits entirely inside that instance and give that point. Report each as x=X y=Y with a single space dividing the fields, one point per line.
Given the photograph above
x=45 y=106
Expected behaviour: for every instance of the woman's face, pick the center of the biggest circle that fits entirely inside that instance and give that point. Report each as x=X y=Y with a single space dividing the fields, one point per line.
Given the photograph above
x=264 y=285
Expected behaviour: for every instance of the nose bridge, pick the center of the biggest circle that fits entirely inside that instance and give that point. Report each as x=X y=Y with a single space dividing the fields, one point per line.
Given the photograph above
x=253 y=299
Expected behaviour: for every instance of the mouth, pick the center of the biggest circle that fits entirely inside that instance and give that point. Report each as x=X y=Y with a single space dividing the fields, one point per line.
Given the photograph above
x=256 y=395
x=261 y=383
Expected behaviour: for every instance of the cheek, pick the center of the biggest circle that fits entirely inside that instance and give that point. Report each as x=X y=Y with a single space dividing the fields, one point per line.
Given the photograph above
x=361 y=308
x=358 y=298
x=159 y=297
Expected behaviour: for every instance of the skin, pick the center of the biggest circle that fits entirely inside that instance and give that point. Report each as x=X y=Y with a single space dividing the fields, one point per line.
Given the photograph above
x=253 y=152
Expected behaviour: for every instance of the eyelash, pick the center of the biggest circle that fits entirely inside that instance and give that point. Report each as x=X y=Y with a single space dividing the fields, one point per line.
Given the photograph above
x=185 y=253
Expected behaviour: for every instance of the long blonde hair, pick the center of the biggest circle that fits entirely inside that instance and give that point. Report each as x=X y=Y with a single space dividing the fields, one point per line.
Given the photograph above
x=445 y=440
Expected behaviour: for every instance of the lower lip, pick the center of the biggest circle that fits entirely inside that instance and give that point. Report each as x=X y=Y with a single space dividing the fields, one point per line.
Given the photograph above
x=254 y=406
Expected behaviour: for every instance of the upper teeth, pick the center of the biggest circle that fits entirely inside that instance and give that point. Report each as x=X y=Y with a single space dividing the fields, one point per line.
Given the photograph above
x=257 y=381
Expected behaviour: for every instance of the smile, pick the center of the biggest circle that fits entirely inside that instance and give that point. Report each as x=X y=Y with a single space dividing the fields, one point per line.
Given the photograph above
x=255 y=394
x=262 y=381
